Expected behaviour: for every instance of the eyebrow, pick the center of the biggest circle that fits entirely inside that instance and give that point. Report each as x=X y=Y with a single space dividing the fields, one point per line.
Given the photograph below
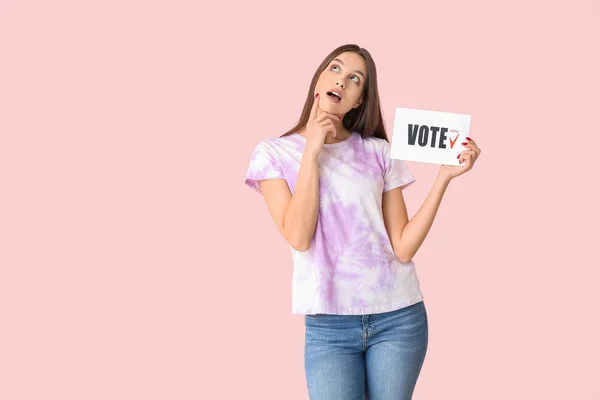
x=357 y=71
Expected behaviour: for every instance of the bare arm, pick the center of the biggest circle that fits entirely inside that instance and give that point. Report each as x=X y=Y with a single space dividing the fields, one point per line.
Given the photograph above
x=295 y=215
x=408 y=236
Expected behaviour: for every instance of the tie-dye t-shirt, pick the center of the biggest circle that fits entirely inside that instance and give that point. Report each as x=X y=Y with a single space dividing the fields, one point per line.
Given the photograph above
x=350 y=267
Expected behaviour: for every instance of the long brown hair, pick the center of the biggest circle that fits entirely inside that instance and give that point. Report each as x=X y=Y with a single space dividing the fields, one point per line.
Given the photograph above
x=366 y=118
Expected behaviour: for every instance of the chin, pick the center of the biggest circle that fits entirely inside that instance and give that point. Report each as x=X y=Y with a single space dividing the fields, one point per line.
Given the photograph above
x=334 y=109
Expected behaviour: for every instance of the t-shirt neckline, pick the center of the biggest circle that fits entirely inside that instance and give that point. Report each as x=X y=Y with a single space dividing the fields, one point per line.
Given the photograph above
x=353 y=134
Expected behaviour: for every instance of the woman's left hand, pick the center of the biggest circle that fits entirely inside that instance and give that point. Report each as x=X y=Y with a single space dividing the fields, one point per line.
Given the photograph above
x=468 y=156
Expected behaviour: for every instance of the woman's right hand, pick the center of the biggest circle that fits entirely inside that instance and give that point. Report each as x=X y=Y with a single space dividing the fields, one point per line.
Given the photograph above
x=319 y=124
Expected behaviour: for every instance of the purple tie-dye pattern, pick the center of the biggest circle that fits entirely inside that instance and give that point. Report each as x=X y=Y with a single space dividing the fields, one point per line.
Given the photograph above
x=350 y=267
x=330 y=245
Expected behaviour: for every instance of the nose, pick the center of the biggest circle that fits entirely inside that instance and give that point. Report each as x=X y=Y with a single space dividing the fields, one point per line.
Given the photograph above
x=340 y=84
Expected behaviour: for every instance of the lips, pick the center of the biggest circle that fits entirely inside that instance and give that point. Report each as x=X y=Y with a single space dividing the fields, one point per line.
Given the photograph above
x=335 y=92
x=334 y=95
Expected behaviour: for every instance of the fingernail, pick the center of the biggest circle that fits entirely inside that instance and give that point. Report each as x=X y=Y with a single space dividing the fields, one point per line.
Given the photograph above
x=464 y=143
x=458 y=156
x=469 y=138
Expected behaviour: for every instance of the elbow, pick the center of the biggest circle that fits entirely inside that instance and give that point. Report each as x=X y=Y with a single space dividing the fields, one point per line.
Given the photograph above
x=299 y=243
x=401 y=253
x=300 y=248
x=403 y=258
x=298 y=237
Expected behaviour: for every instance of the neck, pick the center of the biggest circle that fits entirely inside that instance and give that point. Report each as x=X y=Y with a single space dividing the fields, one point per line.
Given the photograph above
x=342 y=134
x=329 y=139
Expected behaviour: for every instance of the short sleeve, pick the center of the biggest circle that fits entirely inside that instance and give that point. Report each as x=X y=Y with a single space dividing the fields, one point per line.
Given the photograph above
x=396 y=173
x=263 y=165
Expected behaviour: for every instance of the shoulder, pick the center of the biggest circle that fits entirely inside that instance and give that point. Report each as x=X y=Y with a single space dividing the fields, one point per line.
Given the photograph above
x=274 y=143
x=275 y=148
x=377 y=144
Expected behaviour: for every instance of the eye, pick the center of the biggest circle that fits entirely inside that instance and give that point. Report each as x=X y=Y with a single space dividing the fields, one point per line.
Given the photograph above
x=353 y=76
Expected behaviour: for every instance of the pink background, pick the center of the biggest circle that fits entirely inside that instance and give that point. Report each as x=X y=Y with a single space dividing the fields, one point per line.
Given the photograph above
x=135 y=264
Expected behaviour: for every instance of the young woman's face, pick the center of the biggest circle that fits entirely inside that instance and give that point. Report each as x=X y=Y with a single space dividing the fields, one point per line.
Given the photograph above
x=346 y=75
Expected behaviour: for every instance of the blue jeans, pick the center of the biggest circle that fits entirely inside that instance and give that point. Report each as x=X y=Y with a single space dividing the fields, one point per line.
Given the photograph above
x=373 y=356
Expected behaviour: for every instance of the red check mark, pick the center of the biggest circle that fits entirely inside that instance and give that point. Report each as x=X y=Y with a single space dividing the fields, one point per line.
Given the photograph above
x=453 y=141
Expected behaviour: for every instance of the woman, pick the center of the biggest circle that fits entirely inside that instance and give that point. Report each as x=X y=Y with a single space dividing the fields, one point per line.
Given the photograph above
x=336 y=197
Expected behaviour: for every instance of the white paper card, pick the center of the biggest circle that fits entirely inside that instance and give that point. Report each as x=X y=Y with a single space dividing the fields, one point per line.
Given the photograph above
x=429 y=136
